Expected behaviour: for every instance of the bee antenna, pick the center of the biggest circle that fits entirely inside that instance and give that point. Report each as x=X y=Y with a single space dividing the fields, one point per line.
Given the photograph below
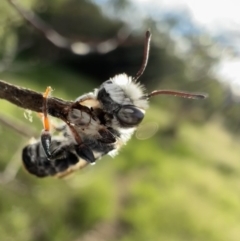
x=145 y=56
x=178 y=93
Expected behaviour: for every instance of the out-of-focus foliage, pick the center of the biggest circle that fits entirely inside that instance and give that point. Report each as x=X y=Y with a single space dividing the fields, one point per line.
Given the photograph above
x=181 y=184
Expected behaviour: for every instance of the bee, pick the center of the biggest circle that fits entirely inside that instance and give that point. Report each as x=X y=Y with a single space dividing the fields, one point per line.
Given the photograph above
x=96 y=124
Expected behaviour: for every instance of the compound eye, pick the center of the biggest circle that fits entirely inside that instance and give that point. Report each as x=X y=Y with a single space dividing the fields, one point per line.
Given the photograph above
x=130 y=115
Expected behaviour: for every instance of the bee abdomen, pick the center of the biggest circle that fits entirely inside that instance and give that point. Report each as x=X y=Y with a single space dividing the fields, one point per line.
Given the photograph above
x=39 y=165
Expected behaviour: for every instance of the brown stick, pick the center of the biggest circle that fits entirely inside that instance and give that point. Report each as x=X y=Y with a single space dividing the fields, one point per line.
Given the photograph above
x=31 y=100
x=28 y=99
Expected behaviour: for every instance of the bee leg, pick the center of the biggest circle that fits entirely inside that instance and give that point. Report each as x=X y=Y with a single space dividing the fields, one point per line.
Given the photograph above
x=45 y=135
x=81 y=149
x=85 y=153
x=54 y=125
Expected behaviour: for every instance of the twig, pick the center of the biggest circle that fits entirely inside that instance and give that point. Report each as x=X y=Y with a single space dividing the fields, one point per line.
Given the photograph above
x=12 y=168
x=31 y=100
x=20 y=128
x=28 y=99
x=8 y=52
x=76 y=47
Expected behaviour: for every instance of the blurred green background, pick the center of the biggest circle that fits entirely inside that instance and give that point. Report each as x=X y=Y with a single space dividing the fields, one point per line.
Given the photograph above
x=176 y=180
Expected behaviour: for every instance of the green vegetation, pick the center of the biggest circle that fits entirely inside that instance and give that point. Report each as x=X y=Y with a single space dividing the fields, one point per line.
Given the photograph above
x=181 y=187
x=178 y=177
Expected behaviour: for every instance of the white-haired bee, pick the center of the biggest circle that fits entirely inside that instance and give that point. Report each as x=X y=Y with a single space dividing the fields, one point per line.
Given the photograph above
x=96 y=124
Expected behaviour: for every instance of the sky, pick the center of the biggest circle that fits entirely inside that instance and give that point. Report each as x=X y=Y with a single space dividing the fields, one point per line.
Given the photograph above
x=210 y=14
x=218 y=18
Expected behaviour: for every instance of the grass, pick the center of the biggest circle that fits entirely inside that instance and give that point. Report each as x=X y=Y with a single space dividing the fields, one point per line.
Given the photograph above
x=172 y=188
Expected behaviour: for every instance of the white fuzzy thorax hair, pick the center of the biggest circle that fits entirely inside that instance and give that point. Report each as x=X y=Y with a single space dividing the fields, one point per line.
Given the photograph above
x=123 y=90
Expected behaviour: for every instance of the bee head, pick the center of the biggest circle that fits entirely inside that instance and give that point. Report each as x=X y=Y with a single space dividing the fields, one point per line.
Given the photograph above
x=122 y=90
x=123 y=97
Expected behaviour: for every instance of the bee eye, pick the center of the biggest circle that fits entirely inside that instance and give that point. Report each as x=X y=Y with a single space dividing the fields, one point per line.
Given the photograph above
x=130 y=115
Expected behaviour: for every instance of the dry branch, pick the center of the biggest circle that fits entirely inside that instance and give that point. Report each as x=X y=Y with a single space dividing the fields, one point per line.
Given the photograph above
x=31 y=100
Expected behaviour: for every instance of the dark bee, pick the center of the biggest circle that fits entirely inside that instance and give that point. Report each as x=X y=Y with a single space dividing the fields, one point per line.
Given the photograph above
x=97 y=123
